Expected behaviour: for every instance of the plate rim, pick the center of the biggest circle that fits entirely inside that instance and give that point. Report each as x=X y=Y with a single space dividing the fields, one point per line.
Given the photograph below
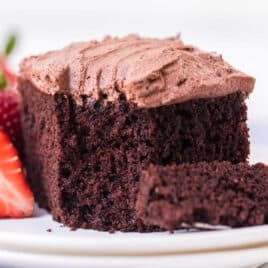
x=244 y=258
x=137 y=243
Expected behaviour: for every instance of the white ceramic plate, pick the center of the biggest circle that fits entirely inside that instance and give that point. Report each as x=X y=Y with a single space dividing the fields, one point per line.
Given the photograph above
x=246 y=258
x=31 y=235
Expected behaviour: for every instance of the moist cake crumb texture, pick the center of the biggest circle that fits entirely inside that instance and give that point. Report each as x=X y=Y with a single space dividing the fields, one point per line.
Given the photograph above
x=216 y=193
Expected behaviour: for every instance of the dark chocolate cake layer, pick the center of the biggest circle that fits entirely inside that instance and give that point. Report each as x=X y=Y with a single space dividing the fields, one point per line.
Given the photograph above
x=216 y=193
x=84 y=160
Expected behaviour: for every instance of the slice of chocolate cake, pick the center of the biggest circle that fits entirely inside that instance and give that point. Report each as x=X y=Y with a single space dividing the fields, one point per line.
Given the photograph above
x=217 y=193
x=95 y=114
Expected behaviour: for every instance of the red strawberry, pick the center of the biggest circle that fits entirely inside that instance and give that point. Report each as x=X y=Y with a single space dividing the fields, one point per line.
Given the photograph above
x=10 y=116
x=9 y=99
x=16 y=198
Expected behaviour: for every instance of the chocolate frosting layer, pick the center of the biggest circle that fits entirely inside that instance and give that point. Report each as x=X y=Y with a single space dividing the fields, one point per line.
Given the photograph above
x=149 y=72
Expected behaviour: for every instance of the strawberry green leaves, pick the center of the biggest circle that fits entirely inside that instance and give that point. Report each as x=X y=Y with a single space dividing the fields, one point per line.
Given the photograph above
x=10 y=44
x=3 y=80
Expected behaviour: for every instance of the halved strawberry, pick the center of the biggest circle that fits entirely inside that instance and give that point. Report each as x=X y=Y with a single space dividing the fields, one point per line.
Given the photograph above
x=16 y=198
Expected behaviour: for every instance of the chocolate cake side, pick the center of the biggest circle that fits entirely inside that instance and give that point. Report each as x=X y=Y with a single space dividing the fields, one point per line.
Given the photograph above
x=84 y=160
x=216 y=193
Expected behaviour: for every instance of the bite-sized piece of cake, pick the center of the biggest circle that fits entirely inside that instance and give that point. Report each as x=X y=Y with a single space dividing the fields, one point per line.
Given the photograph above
x=95 y=114
x=217 y=193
